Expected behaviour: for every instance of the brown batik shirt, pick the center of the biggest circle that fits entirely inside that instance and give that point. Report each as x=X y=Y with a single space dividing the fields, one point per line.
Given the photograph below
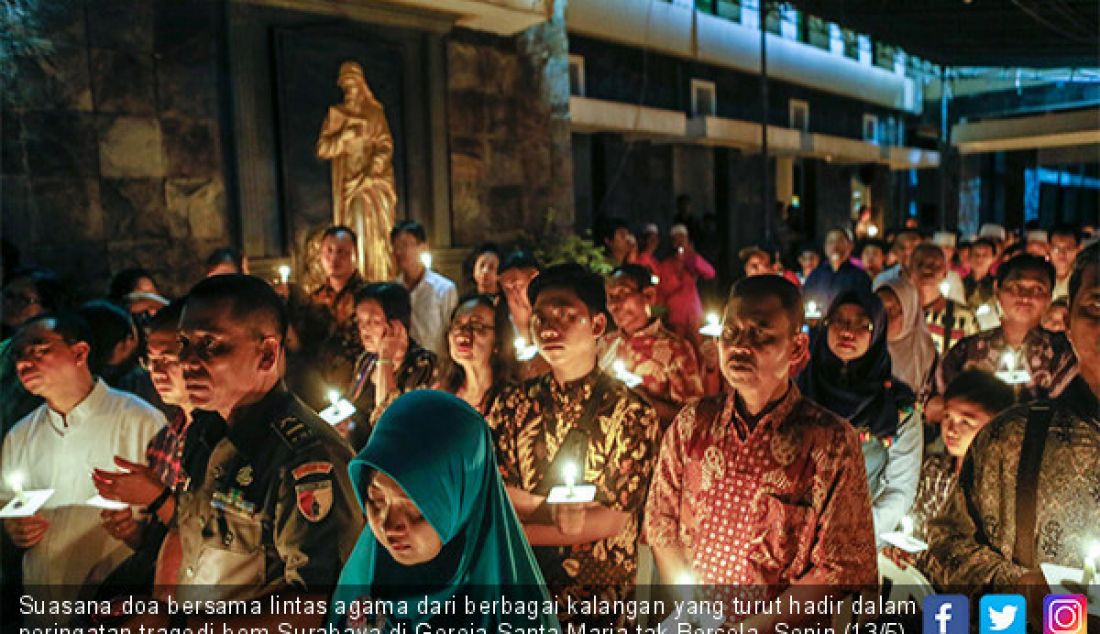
x=529 y=424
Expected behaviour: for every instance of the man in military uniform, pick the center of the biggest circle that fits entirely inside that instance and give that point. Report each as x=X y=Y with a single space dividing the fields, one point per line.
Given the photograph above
x=273 y=510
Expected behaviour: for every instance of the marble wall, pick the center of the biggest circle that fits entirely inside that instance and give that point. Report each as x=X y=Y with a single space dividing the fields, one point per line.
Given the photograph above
x=112 y=141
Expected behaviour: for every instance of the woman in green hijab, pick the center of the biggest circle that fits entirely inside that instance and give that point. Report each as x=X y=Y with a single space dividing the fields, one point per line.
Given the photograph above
x=440 y=527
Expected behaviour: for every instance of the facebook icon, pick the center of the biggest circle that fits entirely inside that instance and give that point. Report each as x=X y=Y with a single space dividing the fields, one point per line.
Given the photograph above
x=946 y=614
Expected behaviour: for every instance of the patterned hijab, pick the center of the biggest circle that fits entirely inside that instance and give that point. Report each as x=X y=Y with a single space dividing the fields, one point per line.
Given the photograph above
x=440 y=451
x=913 y=354
x=861 y=390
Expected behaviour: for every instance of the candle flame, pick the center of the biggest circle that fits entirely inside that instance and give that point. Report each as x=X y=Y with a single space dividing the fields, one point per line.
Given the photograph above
x=712 y=319
x=945 y=288
x=426 y=259
x=333 y=397
x=569 y=473
x=15 y=481
x=284 y=273
x=685 y=578
x=1009 y=359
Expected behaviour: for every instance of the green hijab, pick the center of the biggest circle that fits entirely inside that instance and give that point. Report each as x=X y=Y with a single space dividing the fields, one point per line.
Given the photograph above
x=440 y=451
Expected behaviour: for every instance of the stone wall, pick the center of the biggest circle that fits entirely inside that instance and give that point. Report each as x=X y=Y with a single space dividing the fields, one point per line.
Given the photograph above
x=112 y=141
x=508 y=129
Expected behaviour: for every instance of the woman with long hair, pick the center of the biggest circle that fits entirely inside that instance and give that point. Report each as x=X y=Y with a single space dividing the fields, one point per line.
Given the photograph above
x=478 y=365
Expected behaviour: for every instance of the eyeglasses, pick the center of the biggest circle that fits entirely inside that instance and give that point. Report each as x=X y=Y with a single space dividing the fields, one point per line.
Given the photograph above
x=475 y=328
x=857 y=327
x=1021 y=289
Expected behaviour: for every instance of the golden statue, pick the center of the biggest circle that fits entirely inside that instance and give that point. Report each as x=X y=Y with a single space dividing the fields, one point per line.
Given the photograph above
x=356 y=138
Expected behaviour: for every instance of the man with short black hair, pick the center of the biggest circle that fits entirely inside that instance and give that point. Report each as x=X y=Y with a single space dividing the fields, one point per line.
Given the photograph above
x=836 y=273
x=273 y=510
x=1064 y=243
x=1024 y=285
x=948 y=320
x=580 y=416
x=1026 y=495
x=82 y=425
x=326 y=324
x=979 y=283
x=433 y=296
x=516 y=272
x=665 y=362
x=759 y=490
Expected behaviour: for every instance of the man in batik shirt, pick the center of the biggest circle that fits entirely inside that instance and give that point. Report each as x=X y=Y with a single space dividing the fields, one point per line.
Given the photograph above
x=974 y=541
x=947 y=318
x=760 y=490
x=576 y=414
x=1024 y=285
x=664 y=361
x=326 y=325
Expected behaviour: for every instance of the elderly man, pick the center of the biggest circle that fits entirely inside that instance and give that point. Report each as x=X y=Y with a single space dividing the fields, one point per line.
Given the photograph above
x=760 y=489
x=82 y=425
x=1027 y=492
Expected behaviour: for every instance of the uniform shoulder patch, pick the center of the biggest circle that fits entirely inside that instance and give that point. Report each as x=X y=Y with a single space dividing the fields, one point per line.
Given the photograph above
x=294 y=433
x=310 y=468
x=313 y=489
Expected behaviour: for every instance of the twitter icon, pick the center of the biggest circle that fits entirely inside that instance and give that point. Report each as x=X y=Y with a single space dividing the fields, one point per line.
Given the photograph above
x=1003 y=614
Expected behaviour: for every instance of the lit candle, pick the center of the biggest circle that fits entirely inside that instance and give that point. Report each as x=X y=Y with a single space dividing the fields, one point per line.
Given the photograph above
x=1092 y=558
x=872 y=231
x=1008 y=358
x=426 y=258
x=982 y=310
x=945 y=288
x=569 y=474
x=333 y=397
x=812 y=311
x=619 y=367
x=284 y=273
x=654 y=280
x=907 y=526
x=713 y=327
x=15 y=481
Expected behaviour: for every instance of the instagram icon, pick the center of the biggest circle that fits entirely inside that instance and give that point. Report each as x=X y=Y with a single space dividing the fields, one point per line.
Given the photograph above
x=1064 y=614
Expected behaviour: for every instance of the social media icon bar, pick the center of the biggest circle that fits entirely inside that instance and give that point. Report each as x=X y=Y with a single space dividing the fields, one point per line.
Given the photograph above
x=1003 y=614
x=946 y=614
x=1065 y=614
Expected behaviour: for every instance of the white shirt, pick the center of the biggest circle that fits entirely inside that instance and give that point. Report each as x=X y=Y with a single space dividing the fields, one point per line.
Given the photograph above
x=433 y=301
x=51 y=451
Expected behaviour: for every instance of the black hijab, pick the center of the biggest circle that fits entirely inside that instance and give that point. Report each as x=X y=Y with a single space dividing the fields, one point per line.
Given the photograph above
x=863 y=390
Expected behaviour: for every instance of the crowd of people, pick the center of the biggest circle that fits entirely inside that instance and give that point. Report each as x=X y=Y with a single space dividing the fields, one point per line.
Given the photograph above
x=394 y=439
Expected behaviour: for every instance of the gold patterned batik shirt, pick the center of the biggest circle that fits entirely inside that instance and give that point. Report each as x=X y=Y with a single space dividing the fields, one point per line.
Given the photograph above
x=529 y=424
x=972 y=542
x=763 y=505
x=1047 y=356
